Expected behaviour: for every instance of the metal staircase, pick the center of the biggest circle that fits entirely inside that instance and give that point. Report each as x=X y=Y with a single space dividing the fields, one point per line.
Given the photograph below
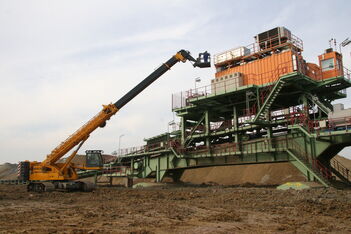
x=327 y=171
x=314 y=167
x=260 y=116
x=193 y=130
x=323 y=106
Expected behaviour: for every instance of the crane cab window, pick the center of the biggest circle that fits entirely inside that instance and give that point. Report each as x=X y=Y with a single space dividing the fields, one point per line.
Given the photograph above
x=93 y=159
x=328 y=64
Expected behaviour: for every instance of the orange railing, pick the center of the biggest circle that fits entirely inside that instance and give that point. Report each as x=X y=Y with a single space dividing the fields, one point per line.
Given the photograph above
x=323 y=170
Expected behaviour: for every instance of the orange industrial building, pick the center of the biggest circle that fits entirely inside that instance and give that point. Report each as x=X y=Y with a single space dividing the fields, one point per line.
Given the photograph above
x=274 y=53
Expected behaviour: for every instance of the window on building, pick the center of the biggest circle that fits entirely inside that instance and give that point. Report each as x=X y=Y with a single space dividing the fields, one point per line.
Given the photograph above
x=327 y=64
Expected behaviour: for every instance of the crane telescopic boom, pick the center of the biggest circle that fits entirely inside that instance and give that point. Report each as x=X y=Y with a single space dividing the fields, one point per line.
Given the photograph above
x=51 y=170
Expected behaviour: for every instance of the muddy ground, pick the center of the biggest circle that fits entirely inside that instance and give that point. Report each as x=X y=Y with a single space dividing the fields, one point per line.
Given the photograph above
x=176 y=209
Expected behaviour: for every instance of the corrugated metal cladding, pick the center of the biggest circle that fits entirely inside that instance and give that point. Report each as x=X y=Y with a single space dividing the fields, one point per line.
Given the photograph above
x=264 y=70
x=336 y=67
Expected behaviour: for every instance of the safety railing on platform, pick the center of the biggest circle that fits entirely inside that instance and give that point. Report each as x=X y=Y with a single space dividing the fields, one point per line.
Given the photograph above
x=251 y=145
x=157 y=146
x=290 y=143
x=345 y=172
x=173 y=126
x=263 y=46
x=182 y=99
x=317 y=73
x=131 y=150
x=322 y=169
x=196 y=149
x=116 y=170
x=144 y=148
x=195 y=130
x=316 y=165
x=344 y=122
x=282 y=143
x=221 y=125
x=329 y=125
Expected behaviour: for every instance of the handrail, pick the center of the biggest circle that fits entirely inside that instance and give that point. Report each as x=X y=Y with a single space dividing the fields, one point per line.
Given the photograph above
x=131 y=150
x=325 y=171
x=270 y=43
x=345 y=172
x=314 y=162
x=181 y=99
x=329 y=124
x=110 y=169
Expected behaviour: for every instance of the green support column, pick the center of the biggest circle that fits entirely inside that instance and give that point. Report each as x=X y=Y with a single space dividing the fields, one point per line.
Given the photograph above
x=158 y=179
x=269 y=131
x=132 y=166
x=182 y=123
x=258 y=98
x=235 y=124
x=207 y=128
x=160 y=168
x=305 y=108
x=146 y=165
x=305 y=111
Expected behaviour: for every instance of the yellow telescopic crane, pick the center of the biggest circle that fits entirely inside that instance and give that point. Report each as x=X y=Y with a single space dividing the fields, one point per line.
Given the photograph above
x=52 y=174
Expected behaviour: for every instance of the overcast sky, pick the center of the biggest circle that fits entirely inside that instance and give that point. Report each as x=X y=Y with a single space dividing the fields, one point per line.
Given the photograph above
x=61 y=60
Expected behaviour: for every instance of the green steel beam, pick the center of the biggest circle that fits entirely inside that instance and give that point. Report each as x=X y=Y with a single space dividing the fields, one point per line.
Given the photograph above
x=307 y=171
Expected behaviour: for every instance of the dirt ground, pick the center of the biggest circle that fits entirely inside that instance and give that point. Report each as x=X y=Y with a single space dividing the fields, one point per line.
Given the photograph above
x=258 y=174
x=176 y=209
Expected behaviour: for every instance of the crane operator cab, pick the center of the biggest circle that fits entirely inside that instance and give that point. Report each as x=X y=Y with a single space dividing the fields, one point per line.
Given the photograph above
x=94 y=158
x=204 y=60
